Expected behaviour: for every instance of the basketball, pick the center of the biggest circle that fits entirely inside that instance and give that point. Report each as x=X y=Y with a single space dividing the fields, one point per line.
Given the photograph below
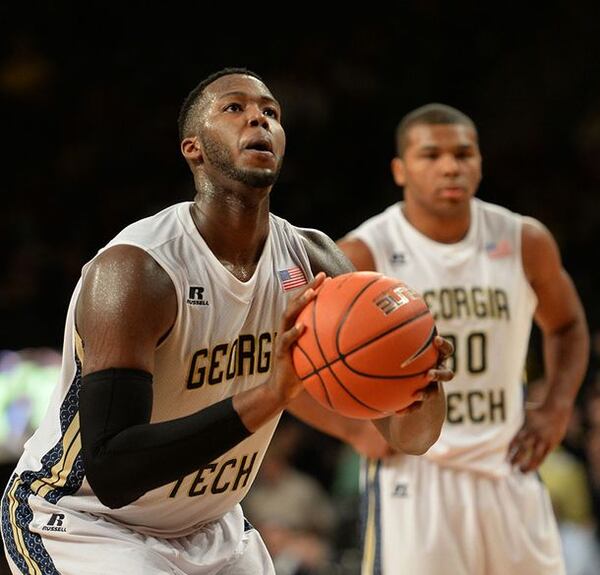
x=367 y=345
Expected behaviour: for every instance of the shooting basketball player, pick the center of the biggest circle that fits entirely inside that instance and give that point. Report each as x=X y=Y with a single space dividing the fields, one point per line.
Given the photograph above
x=472 y=505
x=177 y=366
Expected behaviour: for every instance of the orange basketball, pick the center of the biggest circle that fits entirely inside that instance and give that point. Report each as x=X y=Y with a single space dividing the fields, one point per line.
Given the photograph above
x=367 y=346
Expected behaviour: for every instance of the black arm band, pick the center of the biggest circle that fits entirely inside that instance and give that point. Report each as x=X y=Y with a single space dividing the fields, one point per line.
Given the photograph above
x=125 y=456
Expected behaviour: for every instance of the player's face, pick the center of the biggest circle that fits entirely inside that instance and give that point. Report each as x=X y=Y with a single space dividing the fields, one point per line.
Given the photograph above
x=242 y=137
x=441 y=167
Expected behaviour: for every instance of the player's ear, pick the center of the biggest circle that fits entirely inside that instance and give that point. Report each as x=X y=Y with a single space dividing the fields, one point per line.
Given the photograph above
x=191 y=149
x=398 y=171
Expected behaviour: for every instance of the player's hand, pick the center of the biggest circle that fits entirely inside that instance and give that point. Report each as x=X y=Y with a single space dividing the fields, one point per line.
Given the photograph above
x=544 y=428
x=287 y=384
x=437 y=375
x=445 y=350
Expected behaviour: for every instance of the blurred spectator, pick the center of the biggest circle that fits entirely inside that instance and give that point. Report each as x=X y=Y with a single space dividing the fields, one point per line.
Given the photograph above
x=565 y=477
x=291 y=509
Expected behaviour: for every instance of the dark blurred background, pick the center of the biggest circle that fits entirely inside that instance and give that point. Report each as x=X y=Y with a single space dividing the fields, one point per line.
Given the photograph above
x=89 y=105
x=88 y=109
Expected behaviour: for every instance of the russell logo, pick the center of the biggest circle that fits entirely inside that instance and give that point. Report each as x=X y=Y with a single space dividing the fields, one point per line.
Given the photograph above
x=55 y=523
x=196 y=296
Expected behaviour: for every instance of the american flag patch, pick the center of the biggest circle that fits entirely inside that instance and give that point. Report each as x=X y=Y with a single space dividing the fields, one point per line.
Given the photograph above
x=291 y=278
x=499 y=249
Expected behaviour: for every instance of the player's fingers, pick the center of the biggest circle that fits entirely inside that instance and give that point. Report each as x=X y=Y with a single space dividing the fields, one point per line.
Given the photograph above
x=536 y=456
x=440 y=373
x=317 y=281
x=521 y=451
x=288 y=337
x=298 y=302
x=444 y=347
x=295 y=306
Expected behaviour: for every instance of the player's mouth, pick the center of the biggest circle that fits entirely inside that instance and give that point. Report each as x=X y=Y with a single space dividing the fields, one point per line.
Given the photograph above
x=452 y=192
x=259 y=146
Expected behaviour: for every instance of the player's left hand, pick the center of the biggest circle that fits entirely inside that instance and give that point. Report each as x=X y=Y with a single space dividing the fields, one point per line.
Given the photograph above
x=543 y=430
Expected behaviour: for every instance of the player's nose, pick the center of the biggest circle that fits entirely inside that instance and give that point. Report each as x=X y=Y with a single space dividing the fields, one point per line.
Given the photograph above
x=256 y=117
x=449 y=163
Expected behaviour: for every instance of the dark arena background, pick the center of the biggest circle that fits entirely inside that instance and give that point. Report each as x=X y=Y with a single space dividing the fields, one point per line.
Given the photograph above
x=88 y=110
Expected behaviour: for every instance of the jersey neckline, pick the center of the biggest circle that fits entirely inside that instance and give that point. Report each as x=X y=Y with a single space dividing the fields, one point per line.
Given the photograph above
x=242 y=290
x=468 y=240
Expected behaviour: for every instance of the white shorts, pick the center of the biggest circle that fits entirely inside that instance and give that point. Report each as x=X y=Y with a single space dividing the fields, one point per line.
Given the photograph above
x=424 y=519
x=42 y=538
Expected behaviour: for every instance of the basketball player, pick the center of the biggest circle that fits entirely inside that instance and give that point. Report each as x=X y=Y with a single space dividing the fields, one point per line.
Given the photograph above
x=472 y=505
x=176 y=366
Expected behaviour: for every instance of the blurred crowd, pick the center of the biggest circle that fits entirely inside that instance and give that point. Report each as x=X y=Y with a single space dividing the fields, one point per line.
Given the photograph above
x=90 y=144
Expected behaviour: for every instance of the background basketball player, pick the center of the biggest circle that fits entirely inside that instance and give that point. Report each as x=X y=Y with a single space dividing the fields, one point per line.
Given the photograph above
x=173 y=379
x=471 y=505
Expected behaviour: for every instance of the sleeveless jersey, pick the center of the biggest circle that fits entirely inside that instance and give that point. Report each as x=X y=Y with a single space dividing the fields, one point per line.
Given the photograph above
x=222 y=343
x=483 y=303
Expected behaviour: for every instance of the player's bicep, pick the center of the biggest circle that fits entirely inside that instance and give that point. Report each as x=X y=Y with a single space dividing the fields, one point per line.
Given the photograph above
x=558 y=302
x=126 y=305
x=324 y=254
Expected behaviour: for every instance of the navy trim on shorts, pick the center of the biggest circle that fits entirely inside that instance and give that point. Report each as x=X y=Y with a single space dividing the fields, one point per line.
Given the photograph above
x=61 y=474
x=370 y=519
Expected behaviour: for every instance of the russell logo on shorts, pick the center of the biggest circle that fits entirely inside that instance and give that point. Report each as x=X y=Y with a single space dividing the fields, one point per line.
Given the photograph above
x=55 y=523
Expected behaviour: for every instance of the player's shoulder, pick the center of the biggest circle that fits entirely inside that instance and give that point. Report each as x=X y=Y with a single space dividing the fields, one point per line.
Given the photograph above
x=323 y=253
x=530 y=227
x=133 y=249
x=155 y=229
x=495 y=210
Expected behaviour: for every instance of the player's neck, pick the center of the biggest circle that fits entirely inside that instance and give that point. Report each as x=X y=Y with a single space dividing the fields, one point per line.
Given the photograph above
x=235 y=233
x=445 y=228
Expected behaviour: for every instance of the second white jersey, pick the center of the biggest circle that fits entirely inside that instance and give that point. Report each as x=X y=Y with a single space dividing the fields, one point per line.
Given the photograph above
x=482 y=302
x=222 y=343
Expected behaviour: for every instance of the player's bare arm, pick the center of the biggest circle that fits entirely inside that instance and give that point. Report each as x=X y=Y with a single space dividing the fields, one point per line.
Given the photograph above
x=358 y=252
x=123 y=285
x=120 y=337
x=561 y=318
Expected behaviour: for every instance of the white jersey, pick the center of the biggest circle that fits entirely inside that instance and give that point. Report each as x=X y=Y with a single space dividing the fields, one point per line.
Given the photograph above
x=222 y=343
x=483 y=303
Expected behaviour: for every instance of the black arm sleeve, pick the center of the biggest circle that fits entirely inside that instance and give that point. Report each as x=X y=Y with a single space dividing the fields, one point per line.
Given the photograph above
x=125 y=456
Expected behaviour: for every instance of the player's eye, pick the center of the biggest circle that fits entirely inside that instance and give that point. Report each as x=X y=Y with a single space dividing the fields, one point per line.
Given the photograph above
x=233 y=107
x=271 y=112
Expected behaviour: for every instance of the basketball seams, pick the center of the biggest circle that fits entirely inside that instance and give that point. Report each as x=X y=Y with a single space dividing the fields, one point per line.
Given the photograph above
x=422 y=349
x=427 y=343
x=342 y=356
x=326 y=362
x=378 y=336
x=315 y=372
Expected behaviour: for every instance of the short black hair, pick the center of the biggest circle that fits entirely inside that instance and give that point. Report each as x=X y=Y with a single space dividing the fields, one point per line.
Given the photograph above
x=429 y=114
x=185 y=114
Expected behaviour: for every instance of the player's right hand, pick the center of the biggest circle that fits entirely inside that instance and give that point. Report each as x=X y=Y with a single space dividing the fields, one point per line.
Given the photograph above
x=287 y=384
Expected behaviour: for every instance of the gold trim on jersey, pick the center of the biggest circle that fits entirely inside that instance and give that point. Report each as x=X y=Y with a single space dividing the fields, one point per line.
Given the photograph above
x=71 y=446
x=370 y=539
x=17 y=532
